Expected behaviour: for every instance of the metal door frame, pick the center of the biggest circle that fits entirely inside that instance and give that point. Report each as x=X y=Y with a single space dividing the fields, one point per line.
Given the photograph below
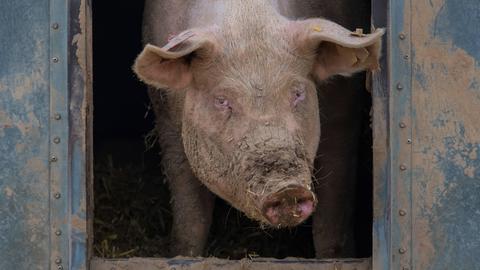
x=392 y=131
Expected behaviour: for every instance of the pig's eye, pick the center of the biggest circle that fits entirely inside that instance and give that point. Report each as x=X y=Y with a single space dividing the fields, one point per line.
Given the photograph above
x=222 y=103
x=298 y=95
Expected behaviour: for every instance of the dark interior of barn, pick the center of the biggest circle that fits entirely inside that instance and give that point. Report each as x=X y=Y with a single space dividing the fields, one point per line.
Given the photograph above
x=132 y=216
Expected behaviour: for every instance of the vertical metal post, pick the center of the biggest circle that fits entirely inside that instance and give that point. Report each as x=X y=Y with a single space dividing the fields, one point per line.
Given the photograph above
x=380 y=147
x=400 y=135
x=80 y=137
x=59 y=135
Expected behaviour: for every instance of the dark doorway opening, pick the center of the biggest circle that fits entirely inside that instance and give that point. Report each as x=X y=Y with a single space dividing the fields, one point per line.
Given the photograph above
x=132 y=216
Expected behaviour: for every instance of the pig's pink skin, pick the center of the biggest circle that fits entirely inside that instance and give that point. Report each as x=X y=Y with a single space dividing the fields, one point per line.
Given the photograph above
x=265 y=138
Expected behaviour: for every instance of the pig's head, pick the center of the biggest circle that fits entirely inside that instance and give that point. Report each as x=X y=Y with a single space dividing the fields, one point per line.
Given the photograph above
x=250 y=123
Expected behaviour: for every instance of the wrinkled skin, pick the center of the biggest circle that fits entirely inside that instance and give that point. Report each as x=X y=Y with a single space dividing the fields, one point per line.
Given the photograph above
x=240 y=117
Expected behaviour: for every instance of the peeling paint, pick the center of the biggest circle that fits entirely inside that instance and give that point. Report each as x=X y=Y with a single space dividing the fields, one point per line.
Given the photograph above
x=80 y=131
x=79 y=40
x=8 y=192
x=78 y=223
x=457 y=22
x=32 y=88
x=446 y=98
x=24 y=117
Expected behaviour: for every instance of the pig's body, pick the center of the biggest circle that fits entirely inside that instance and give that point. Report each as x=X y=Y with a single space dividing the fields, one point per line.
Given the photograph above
x=271 y=153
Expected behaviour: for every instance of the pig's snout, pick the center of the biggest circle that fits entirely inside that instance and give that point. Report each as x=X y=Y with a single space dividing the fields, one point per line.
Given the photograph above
x=289 y=206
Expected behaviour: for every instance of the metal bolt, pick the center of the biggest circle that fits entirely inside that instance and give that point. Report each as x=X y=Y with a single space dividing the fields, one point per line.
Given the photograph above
x=402 y=125
x=267 y=124
x=57 y=116
x=58 y=232
x=401 y=36
x=55 y=26
x=57 y=195
x=58 y=260
x=403 y=167
x=406 y=57
x=53 y=158
x=399 y=86
x=60 y=267
x=55 y=59
x=402 y=250
x=56 y=140
x=409 y=141
x=402 y=212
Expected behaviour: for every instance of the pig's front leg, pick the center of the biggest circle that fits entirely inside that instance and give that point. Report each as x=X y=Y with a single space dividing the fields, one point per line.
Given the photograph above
x=192 y=206
x=192 y=203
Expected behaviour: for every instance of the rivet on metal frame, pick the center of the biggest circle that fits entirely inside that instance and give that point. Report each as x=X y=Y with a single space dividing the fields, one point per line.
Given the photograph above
x=60 y=267
x=402 y=125
x=403 y=167
x=399 y=86
x=402 y=212
x=57 y=195
x=402 y=250
x=406 y=57
x=405 y=268
x=55 y=26
x=56 y=140
x=409 y=141
x=57 y=116
x=401 y=36
x=58 y=232
x=55 y=59
x=53 y=158
x=58 y=260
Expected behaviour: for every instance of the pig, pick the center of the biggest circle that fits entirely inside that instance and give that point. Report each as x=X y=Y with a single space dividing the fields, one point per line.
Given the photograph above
x=234 y=86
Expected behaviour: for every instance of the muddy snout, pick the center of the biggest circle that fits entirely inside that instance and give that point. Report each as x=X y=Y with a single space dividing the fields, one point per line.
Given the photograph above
x=289 y=206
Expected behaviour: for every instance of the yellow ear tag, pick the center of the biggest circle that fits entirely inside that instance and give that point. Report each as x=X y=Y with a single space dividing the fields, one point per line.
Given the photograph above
x=358 y=32
x=317 y=29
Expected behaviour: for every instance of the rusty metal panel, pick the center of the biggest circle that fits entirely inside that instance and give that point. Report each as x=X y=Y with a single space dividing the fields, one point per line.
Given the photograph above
x=446 y=132
x=392 y=128
x=24 y=135
x=80 y=132
x=44 y=90
x=214 y=263
x=426 y=196
x=59 y=183
x=400 y=139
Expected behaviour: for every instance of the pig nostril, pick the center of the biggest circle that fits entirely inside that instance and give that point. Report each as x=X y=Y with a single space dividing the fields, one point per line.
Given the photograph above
x=275 y=204
x=305 y=207
x=302 y=200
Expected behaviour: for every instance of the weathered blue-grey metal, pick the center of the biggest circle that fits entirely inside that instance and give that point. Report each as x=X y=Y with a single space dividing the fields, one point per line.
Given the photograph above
x=427 y=137
x=43 y=132
x=426 y=147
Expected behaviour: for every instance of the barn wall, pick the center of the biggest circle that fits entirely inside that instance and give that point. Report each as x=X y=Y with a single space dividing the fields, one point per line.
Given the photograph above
x=25 y=229
x=426 y=188
x=446 y=130
x=44 y=91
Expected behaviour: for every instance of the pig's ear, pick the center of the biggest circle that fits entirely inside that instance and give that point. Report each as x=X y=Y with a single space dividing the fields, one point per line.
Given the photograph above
x=338 y=50
x=170 y=65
